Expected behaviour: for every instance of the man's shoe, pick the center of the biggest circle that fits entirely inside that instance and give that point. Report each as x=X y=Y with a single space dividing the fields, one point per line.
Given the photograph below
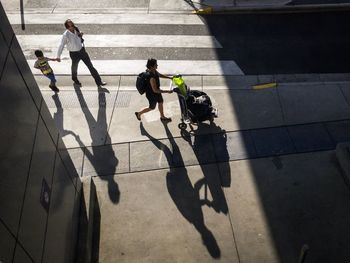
x=54 y=88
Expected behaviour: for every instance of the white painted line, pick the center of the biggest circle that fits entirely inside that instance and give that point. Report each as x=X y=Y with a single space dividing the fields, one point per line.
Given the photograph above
x=162 y=19
x=133 y=67
x=32 y=42
x=82 y=10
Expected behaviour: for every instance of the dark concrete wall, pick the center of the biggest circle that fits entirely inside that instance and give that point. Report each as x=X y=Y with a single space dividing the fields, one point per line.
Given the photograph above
x=32 y=154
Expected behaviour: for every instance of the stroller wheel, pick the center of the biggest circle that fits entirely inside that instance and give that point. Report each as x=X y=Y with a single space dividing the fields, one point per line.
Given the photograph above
x=182 y=126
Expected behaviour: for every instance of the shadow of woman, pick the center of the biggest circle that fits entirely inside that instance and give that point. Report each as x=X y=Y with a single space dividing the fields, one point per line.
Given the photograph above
x=201 y=143
x=102 y=157
x=181 y=191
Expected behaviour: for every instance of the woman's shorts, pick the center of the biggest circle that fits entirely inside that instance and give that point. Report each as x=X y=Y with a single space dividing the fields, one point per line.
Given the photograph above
x=154 y=98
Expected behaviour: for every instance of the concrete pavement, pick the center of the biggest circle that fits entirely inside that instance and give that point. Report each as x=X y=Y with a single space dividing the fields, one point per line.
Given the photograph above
x=297 y=100
x=255 y=186
x=272 y=208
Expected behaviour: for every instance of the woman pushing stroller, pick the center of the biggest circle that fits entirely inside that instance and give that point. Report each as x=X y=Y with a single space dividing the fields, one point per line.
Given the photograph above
x=153 y=91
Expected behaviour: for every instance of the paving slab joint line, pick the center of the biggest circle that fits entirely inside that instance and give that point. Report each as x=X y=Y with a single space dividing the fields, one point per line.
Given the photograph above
x=342 y=152
x=157 y=169
x=206 y=163
x=212 y=134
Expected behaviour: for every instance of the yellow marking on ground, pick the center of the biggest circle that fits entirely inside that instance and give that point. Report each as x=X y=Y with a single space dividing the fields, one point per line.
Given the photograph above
x=265 y=85
x=203 y=11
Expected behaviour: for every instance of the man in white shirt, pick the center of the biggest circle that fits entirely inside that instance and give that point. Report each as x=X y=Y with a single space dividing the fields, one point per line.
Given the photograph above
x=72 y=37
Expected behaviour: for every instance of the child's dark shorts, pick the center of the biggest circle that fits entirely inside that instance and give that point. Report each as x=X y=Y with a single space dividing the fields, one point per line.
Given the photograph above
x=51 y=77
x=153 y=99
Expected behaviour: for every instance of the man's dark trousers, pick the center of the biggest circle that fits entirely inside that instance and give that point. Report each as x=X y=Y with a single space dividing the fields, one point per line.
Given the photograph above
x=84 y=56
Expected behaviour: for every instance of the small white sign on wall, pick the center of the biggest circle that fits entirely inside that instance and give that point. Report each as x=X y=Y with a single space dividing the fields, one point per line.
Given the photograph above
x=45 y=195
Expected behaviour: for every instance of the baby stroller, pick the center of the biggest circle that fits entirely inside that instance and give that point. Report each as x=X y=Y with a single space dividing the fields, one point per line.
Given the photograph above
x=195 y=105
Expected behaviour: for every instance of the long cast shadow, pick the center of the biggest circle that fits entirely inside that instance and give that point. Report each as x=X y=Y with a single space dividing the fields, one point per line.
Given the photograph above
x=201 y=145
x=102 y=157
x=58 y=119
x=86 y=251
x=185 y=196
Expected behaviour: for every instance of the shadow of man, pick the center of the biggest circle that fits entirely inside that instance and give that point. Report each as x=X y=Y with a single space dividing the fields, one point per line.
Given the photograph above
x=181 y=191
x=200 y=145
x=58 y=119
x=101 y=156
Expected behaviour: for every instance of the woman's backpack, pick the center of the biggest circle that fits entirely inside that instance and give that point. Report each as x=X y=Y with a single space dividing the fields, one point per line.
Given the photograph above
x=142 y=82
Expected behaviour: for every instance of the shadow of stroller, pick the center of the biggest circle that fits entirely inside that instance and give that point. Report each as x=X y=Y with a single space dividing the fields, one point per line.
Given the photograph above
x=183 y=194
x=200 y=143
x=101 y=156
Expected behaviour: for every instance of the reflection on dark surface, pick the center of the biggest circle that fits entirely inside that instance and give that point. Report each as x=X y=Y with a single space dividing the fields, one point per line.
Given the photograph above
x=184 y=195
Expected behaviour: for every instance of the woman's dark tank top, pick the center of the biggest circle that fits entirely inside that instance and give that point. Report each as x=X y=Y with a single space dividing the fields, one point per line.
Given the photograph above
x=156 y=77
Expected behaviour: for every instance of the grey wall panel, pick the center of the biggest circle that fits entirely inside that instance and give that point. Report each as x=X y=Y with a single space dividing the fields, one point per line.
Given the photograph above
x=3 y=52
x=19 y=119
x=29 y=157
x=59 y=243
x=7 y=244
x=21 y=256
x=5 y=30
x=23 y=66
x=34 y=216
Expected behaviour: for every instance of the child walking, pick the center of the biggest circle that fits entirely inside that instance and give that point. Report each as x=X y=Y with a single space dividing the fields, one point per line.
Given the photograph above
x=43 y=64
